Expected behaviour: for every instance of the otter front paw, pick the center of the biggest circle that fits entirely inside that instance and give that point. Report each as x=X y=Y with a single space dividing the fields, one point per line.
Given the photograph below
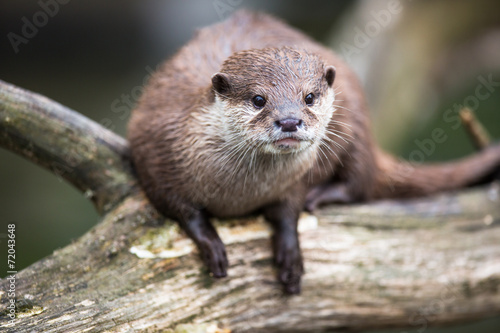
x=211 y=248
x=213 y=254
x=288 y=258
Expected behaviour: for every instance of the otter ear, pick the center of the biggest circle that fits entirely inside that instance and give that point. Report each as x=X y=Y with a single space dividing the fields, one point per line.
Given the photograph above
x=221 y=83
x=330 y=75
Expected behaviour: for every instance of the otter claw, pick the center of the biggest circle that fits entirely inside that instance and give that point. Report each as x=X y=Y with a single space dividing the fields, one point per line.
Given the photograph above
x=289 y=261
x=214 y=256
x=290 y=277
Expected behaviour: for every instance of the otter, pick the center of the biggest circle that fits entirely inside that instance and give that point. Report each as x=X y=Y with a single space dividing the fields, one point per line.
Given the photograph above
x=253 y=116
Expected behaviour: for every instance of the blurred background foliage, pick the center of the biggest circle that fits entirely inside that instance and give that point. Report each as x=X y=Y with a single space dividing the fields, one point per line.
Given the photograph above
x=418 y=60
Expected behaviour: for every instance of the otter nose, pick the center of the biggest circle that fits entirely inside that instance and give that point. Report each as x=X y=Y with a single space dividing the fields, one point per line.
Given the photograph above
x=289 y=124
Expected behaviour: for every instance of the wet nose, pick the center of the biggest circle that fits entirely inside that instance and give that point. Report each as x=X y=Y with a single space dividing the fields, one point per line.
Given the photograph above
x=289 y=124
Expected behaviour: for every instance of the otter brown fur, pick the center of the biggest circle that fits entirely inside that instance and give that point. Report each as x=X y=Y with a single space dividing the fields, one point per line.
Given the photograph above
x=251 y=116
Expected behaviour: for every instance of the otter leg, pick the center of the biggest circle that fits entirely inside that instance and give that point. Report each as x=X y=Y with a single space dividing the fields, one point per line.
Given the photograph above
x=328 y=193
x=283 y=217
x=197 y=225
x=194 y=220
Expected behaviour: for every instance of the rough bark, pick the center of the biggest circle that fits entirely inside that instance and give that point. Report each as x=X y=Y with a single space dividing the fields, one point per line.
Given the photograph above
x=431 y=261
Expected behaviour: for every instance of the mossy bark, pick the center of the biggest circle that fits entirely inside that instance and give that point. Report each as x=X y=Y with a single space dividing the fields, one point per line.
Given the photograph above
x=417 y=263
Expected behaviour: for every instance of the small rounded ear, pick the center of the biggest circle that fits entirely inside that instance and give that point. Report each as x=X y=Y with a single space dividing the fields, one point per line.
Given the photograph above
x=221 y=83
x=330 y=75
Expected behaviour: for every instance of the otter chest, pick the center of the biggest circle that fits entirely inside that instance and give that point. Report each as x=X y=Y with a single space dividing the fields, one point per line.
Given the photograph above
x=244 y=188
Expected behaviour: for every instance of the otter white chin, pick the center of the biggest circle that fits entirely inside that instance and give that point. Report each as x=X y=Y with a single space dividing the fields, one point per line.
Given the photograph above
x=244 y=119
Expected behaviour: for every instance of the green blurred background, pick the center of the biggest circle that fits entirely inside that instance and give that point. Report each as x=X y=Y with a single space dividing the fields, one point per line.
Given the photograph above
x=94 y=56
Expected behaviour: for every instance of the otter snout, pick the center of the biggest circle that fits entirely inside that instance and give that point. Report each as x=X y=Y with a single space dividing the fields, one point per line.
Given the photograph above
x=289 y=135
x=289 y=124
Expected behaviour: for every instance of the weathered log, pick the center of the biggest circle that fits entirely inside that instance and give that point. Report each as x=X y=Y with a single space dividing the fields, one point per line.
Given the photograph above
x=431 y=261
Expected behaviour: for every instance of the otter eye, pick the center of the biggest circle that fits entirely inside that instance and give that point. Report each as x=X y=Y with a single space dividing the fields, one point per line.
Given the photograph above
x=309 y=99
x=258 y=101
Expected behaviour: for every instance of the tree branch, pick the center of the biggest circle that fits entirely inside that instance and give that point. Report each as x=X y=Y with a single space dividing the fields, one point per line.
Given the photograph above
x=478 y=134
x=72 y=146
x=430 y=261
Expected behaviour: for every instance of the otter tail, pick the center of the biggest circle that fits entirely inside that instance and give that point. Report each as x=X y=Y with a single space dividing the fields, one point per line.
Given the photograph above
x=398 y=179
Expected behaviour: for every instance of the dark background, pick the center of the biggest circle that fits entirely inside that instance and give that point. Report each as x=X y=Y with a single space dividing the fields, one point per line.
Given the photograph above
x=94 y=57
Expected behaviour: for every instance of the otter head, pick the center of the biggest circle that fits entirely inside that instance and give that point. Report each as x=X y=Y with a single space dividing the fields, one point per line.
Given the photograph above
x=278 y=100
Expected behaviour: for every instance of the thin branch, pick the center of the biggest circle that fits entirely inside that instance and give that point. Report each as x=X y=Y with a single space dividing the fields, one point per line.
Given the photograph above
x=478 y=133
